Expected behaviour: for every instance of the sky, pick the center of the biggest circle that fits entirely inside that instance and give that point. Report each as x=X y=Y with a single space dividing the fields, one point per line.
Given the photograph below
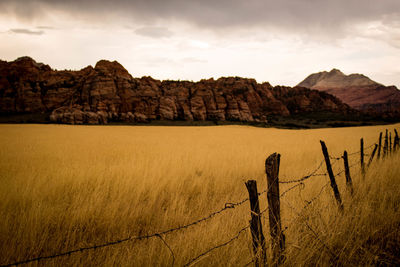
x=281 y=42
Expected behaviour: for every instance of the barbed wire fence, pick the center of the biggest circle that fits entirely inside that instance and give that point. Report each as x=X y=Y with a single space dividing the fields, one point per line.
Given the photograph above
x=273 y=182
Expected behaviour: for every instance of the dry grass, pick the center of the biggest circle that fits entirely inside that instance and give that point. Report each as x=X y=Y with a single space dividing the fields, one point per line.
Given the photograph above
x=65 y=187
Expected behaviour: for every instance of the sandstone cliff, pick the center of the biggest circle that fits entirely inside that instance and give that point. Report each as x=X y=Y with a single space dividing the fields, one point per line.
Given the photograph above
x=108 y=92
x=357 y=90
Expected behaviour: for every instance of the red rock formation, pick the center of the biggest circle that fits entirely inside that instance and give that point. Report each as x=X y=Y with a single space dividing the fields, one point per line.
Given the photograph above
x=108 y=92
x=300 y=100
x=356 y=90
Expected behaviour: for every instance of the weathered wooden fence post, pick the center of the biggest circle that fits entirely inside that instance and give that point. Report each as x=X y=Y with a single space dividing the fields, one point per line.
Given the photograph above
x=390 y=142
x=349 y=183
x=331 y=176
x=396 y=140
x=379 y=145
x=372 y=155
x=385 y=146
x=275 y=224
x=362 y=157
x=255 y=225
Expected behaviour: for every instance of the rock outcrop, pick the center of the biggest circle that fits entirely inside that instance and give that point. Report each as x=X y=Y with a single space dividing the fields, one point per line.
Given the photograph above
x=300 y=100
x=108 y=93
x=358 y=91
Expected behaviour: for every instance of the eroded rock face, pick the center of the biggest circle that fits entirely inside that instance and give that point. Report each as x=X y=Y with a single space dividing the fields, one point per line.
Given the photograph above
x=76 y=116
x=302 y=100
x=108 y=92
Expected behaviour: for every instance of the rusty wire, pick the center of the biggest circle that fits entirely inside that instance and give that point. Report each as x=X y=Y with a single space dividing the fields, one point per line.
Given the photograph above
x=312 y=174
x=236 y=236
x=291 y=188
x=229 y=205
x=314 y=233
x=354 y=153
x=169 y=248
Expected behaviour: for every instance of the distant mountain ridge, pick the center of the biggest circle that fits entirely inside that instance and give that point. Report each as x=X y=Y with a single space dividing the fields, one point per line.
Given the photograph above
x=336 y=78
x=108 y=93
x=356 y=90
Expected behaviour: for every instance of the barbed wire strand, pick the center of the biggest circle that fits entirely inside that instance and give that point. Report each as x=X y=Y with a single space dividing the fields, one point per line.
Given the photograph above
x=225 y=243
x=315 y=234
x=350 y=167
x=359 y=151
x=309 y=202
x=354 y=153
x=228 y=205
x=312 y=174
x=68 y=253
x=291 y=188
x=169 y=248
x=193 y=260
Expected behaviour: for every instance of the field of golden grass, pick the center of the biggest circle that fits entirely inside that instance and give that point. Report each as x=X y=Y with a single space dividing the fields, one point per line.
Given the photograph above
x=66 y=187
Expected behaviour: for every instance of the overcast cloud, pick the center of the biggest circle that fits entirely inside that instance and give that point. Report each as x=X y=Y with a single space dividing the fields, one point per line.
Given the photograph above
x=26 y=31
x=213 y=14
x=154 y=32
x=278 y=41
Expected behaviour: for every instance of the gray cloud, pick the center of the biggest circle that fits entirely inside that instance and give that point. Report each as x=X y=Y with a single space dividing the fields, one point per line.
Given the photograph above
x=26 y=31
x=309 y=16
x=45 y=28
x=154 y=32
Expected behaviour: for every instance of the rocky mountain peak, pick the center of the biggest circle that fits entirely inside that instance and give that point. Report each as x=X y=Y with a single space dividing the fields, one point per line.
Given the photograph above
x=336 y=72
x=28 y=62
x=112 y=68
x=25 y=59
x=335 y=79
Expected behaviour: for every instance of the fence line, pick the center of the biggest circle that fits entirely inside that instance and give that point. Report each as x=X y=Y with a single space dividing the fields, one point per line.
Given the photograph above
x=299 y=182
x=313 y=173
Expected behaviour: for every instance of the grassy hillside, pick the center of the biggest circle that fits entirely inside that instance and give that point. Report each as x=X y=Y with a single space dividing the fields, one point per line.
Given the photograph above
x=65 y=187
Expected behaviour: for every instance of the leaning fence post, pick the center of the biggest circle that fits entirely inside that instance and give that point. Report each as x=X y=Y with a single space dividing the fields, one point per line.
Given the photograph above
x=380 y=145
x=275 y=224
x=372 y=155
x=349 y=183
x=331 y=176
x=362 y=157
x=386 y=144
x=255 y=225
x=396 y=140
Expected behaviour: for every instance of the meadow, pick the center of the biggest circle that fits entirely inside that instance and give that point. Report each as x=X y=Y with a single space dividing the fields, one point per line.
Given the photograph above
x=65 y=187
